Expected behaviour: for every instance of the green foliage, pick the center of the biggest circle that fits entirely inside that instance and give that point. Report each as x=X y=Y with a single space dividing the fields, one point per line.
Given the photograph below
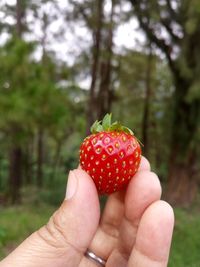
x=16 y=223
x=33 y=99
x=129 y=106
x=29 y=93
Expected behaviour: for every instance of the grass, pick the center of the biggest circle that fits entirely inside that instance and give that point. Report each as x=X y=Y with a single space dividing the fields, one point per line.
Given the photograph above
x=186 y=239
x=16 y=223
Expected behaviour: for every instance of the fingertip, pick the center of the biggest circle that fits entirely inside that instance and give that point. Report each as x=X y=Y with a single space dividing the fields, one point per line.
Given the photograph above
x=155 y=231
x=81 y=210
x=80 y=172
x=86 y=185
x=144 y=165
x=144 y=181
x=143 y=190
x=152 y=181
x=164 y=208
x=81 y=191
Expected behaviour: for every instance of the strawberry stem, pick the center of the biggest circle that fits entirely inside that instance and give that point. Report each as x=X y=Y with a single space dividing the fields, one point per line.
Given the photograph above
x=107 y=125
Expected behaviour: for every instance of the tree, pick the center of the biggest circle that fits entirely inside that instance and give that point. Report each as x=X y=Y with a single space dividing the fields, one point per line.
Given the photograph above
x=96 y=53
x=25 y=87
x=16 y=150
x=104 y=96
x=101 y=25
x=148 y=92
x=179 y=20
x=13 y=104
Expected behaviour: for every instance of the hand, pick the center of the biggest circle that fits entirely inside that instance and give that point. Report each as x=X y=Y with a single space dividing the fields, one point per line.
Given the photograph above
x=135 y=229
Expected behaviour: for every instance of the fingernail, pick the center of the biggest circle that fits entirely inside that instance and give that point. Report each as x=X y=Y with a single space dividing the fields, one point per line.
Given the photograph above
x=71 y=185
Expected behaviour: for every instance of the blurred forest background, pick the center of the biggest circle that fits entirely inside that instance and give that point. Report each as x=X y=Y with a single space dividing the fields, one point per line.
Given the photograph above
x=64 y=64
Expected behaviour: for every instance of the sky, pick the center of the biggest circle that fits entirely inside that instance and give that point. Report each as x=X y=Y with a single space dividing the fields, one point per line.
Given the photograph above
x=75 y=37
x=127 y=34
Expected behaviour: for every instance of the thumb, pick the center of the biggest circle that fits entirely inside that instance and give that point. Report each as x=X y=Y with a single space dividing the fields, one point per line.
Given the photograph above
x=67 y=235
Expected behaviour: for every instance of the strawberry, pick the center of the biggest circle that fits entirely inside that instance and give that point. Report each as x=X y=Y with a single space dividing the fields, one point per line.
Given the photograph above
x=110 y=155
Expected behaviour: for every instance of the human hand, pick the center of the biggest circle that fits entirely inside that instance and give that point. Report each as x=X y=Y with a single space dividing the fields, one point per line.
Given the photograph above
x=135 y=228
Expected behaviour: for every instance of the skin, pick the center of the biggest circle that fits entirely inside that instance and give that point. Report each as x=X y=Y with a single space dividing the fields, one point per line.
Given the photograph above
x=135 y=229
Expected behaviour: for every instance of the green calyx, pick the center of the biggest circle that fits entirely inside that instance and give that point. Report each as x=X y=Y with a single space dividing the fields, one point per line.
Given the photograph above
x=107 y=126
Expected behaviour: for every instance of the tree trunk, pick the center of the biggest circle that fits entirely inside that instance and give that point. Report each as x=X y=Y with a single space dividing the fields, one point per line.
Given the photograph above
x=95 y=65
x=1 y=171
x=105 y=95
x=183 y=170
x=39 y=175
x=15 y=158
x=19 y=16
x=146 y=114
x=15 y=173
x=26 y=168
x=27 y=159
x=183 y=174
x=182 y=185
x=57 y=158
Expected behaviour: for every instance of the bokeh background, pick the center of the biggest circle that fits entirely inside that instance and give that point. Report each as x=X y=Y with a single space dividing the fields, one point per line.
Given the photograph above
x=64 y=64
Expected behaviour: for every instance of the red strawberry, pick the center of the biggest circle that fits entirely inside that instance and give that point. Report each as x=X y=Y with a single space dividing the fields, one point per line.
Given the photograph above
x=110 y=155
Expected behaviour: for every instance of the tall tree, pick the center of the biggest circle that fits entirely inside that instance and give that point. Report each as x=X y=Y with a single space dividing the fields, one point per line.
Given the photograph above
x=101 y=24
x=147 y=99
x=96 y=52
x=31 y=99
x=179 y=20
x=15 y=176
x=105 y=93
x=40 y=130
x=14 y=64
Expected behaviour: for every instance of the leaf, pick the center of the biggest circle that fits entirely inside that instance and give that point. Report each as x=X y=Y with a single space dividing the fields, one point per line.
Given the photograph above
x=99 y=128
x=96 y=127
x=106 y=123
x=116 y=126
x=127 y=130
